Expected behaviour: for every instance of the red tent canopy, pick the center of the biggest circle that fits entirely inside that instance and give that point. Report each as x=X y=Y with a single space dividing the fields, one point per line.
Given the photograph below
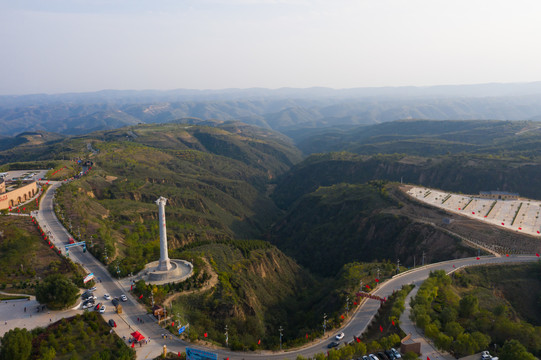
x=137 y=336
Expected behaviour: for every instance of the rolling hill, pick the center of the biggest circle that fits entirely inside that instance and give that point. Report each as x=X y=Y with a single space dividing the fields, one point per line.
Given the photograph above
x=286 y=110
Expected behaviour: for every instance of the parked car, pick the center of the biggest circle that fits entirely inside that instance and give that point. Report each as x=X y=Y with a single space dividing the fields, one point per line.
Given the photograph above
x=390 y=354
x=366 y=357
x=123 y=297
x=107 y=297
x=396 y=353
x=93 y=289
x=382 y=356
x=485 y=355
x=373 y=357
x=112 y=323
x=340 y=336
x=333 y=344
x=98 y=306
x=102 y=309
x=115 y=302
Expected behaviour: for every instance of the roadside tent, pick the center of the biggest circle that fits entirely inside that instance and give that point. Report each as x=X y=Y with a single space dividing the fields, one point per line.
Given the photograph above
x=137 y=336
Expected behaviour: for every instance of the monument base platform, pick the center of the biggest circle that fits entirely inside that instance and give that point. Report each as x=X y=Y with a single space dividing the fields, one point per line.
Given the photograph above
x=180 y=271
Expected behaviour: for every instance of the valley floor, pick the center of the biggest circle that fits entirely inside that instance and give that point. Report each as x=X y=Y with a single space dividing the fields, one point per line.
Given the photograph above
x=520 y=215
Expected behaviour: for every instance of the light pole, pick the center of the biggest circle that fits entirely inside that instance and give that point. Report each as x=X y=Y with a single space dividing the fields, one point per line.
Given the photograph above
x=281 y=334
x=226 y=337
x=324 y=322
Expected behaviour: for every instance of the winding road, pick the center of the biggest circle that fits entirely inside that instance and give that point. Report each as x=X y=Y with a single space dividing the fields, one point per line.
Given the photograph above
x=133 y=312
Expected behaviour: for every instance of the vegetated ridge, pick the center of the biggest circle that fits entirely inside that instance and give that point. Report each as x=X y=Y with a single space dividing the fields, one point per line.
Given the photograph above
x=285 y=110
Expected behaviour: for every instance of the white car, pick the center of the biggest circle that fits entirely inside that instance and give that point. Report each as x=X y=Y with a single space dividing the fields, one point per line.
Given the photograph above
x=92 y=289
x=396 y=353
x=340 y=336
x=123 y=297
x=102 y=309
x=107 y=297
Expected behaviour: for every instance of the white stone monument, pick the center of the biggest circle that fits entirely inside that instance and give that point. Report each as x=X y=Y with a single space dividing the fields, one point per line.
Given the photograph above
x=165 y=264
x=165 y=270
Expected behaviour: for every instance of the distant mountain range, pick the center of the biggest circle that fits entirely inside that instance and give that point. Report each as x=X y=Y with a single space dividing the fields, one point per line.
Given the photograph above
x=286 y=110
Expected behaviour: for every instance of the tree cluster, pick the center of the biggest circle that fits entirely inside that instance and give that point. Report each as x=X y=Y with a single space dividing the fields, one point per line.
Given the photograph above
x=459 y=325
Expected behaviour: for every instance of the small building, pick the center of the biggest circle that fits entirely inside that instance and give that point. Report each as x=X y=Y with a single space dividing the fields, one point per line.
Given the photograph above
x=498 y=195
x=157 y=310
x=407 y=344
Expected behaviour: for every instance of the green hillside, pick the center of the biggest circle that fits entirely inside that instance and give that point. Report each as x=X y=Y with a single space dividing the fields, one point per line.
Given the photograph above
x=215 y=180
x=482 y=307
x=343 y=223
x=25 y=257
x=431 y=138
x=260 y=289
x=463 y=173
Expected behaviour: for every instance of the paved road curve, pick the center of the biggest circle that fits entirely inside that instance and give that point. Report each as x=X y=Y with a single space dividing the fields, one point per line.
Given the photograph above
x=133 y=310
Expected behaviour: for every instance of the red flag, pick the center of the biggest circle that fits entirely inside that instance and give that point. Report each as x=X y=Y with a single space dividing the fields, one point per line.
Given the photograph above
x=368 y=286
x=206 y=334
x=342 y=317
x=538 y=231
x=473 y=212
x=24 y=208
x=131 y=287
x=173 y=323
x=133 y=344
x=307 y=335
x=427 y=358
x=507 y=255
x=179 y=354
x=140 y=297
x=536 y=254
x=518 y=228
x=355 y=303
x=503 y=224
x=478 y=258
x=358 y=339
x=381 y=328
x=392 y=321
x=259 y=342
x=377 y=280
x=459 y=209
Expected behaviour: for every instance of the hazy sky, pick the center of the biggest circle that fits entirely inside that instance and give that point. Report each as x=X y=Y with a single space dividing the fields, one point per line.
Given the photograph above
x=54 y=46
